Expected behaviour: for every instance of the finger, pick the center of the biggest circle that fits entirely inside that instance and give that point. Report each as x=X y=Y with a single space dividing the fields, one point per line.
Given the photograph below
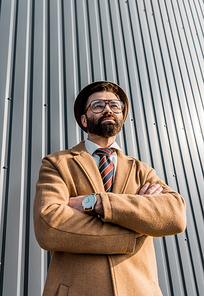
x=158 y=190
x=144 y=189
x=152 y=189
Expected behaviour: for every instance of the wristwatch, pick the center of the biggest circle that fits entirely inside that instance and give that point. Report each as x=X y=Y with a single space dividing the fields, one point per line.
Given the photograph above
x=89 y=202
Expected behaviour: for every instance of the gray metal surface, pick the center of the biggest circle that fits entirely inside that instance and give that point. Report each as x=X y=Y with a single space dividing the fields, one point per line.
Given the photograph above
x=49 y=50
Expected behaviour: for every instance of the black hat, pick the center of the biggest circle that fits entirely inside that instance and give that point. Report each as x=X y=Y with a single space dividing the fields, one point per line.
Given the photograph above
x=85 y=93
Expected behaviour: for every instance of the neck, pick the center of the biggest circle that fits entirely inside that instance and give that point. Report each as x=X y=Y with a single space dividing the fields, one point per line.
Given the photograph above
x=102 y=142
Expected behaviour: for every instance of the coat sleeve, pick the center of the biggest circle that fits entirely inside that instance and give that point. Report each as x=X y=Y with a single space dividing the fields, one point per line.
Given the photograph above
x=153 y=215
x=59 y=227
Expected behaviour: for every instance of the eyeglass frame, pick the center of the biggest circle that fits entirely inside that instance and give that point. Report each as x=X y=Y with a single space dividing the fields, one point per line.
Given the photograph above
x=106 y=103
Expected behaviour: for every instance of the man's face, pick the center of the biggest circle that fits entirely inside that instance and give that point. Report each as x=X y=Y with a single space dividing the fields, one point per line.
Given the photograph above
x=105 y=124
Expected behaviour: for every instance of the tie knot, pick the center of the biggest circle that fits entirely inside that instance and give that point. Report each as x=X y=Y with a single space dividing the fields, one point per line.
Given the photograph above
x=104 y=151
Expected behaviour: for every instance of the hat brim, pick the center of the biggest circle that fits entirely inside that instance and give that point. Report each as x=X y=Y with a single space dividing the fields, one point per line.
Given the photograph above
x=82 y=99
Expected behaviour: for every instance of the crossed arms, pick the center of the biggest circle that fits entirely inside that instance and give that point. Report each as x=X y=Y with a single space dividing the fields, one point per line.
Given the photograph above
x=76 y=202
x=61 y=225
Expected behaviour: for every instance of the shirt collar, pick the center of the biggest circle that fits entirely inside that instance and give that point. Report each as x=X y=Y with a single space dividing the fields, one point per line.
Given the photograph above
x=91 y=146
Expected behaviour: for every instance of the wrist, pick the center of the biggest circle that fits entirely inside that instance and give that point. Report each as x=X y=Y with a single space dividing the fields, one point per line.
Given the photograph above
x=92 y=205
x=89 y=202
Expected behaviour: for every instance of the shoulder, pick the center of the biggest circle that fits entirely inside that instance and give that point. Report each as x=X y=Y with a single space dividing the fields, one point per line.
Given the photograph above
x=139 y=165
x=64 y=155
x=58 y=156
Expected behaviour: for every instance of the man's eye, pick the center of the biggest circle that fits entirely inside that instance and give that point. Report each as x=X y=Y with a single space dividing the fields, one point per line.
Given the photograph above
x=97 y=105
x=115 y=105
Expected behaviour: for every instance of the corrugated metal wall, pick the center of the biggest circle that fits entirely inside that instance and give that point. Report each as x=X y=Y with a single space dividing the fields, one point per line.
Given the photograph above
x=49 y=50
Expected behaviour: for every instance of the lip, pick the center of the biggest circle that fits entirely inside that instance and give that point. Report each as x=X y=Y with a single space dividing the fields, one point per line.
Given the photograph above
x=108 y=119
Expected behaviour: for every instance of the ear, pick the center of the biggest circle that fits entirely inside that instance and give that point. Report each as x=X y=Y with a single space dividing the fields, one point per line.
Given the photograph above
x=83 y=120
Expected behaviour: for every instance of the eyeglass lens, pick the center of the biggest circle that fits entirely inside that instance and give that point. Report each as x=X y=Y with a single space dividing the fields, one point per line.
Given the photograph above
x=99 y=106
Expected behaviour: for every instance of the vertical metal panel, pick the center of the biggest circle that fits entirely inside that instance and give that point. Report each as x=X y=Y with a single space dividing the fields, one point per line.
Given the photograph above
x=49 y=50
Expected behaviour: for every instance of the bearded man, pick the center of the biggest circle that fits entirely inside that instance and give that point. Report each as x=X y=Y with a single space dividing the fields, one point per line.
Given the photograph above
x=97 y=210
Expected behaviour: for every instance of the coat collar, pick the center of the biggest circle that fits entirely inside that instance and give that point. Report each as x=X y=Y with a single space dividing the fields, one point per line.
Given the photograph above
x=89 y=167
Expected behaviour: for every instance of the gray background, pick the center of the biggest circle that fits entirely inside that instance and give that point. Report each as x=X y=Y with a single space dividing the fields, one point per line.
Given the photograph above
x=49 y=50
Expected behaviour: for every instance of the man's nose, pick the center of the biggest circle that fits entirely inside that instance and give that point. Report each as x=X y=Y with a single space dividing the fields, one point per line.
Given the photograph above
x=107 y=109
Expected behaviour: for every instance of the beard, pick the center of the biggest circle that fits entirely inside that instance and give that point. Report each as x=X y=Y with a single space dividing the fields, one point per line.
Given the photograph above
x=104 y=129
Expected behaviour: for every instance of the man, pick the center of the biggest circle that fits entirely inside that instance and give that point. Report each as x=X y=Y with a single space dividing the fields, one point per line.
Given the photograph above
x=97 y=210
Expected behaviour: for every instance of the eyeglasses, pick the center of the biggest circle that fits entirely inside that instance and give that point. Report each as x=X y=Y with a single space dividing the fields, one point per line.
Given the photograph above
x=98 y=106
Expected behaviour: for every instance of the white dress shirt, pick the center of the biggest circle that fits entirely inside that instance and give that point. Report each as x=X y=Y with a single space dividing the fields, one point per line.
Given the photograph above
x=91 y=147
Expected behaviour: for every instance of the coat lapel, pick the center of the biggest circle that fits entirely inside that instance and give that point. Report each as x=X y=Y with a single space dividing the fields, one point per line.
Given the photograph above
x=123 y=172
x=88 y=166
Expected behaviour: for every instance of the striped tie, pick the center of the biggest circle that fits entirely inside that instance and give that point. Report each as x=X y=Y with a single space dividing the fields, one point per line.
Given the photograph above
x=106 y=167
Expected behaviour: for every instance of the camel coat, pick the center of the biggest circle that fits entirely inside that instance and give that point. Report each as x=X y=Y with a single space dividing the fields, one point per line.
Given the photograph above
x=102 y=257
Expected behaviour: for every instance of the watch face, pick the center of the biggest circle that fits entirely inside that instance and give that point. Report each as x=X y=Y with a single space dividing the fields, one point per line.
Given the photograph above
x=89 y=201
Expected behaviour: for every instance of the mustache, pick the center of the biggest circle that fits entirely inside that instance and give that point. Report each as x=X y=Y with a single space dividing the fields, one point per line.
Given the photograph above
x=106 y=115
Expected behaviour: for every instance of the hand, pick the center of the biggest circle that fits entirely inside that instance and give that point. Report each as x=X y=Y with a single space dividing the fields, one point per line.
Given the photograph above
x=99 y=206
x=76 y=202
x=155 y=189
